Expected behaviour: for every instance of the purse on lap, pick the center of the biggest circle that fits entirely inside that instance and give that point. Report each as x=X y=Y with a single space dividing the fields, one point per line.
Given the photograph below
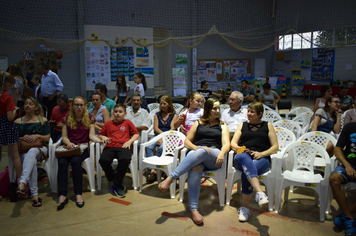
x=25 y=146
x=63 y=151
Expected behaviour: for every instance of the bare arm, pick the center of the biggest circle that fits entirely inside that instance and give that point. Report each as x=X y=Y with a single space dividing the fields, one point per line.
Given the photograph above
x=174 y=123
x=225 y=141
x=190 y=137
x=155 y=126
x=127 y=97
x=11 y=115
x=315 y=123
x=235 y=140
x=92 y=134
x=16 y=95
x=316 y=104
x=337 y=126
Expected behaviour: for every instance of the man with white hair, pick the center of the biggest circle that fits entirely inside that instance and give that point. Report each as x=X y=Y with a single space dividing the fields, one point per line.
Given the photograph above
x=235 y=114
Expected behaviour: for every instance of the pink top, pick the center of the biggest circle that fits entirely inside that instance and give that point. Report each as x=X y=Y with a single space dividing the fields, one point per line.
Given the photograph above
x=80 y=134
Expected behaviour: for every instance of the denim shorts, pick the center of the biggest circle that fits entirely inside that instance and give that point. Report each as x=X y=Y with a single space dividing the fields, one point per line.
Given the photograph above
x=342 y=171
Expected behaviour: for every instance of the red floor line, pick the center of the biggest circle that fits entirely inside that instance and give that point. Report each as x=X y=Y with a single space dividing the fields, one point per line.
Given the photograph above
x=175 y=216
x=243 y=231
x=126 y=203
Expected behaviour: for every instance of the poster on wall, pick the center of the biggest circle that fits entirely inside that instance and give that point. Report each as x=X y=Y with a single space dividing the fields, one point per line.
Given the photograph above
x=122 y=62
x=97 y=65
x=181 y=60
x=147 y=72
x=236 y=68
x=323 y=64
x=179 y=82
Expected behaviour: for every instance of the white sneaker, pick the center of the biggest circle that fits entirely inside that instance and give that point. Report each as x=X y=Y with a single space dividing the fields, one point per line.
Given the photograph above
x=261 y=198
x=243 y=214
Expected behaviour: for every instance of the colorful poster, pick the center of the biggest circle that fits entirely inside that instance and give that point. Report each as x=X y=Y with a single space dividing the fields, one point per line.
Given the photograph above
x=147 y=72
x=97 y=65
x=179 y=82
x=305 y=64
x=181 y=59
x=297 y=90
x=142 y=61
x=142 y=52
x=219 y=68
x=279 y=72
x=280 y=56
x=122 y=62
x=323 y=64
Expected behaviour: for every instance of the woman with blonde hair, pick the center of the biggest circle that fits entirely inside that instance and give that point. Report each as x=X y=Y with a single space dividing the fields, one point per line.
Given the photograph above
x=32 y=126
x=77 y=128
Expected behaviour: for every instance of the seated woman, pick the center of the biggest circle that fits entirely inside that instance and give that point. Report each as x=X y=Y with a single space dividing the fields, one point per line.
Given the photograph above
x=100 y=112
x=328 y=119
x=209 y=140
x=30 y=127
x=259 y=140
x=326 y=93
x=164 y=120
x=269 y=97
x=78 y=127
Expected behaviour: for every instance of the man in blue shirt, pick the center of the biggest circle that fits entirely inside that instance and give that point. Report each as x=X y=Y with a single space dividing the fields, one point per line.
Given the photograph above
x=249 y=94
x=51 y=85
x=107 y=102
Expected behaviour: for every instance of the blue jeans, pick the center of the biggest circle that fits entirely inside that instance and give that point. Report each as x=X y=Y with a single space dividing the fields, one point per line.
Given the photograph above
x=342 y=171
x=199 y=157
x=149 y=149
x=250 y=168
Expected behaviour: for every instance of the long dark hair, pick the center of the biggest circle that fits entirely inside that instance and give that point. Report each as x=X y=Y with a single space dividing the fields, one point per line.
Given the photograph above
x=121 y=87
x=327 y=107
x=168 y=100
x=191 y=96
x=143 y=79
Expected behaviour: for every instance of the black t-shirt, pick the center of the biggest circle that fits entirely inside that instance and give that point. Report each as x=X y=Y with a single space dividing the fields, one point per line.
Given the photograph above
x=347 y=139
x=205 y=93
x=208 y=136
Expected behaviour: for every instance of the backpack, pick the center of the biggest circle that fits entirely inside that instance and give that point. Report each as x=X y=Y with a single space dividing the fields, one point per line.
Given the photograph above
x=27 y=92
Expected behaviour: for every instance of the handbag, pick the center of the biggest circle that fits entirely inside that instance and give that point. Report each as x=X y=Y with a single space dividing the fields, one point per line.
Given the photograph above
x=63 y=151
x=25 y=146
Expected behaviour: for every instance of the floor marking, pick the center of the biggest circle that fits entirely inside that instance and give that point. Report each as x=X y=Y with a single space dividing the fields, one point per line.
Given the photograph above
x=126 y=203
x=175 y=216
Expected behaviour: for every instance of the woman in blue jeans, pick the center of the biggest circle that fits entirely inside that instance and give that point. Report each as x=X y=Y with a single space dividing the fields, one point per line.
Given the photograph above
x=164 y=120
x=258 y=140
x=209 y=140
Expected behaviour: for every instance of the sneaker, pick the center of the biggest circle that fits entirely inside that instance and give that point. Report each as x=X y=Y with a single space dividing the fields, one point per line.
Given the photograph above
x=350 y=228
x=339 y=221
x=118 y=191
x=243 y=214
x=261 y=198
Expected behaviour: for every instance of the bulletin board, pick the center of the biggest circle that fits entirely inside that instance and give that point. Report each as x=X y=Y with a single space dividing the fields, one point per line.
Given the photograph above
x=210 y=70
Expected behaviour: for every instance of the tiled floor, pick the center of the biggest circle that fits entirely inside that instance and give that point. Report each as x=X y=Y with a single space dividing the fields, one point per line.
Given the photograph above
x=154 y=213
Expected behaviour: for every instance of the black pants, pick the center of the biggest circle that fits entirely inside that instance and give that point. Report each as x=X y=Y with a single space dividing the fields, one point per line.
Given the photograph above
x=50 y=105
x=77 y=173
x=124 y=157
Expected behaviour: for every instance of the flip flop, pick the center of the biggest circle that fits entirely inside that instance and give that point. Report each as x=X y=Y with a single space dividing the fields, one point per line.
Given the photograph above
x=37 y=203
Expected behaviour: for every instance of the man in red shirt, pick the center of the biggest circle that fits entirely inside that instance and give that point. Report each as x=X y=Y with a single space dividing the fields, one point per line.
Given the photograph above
x=58 y=113
x=118 y=134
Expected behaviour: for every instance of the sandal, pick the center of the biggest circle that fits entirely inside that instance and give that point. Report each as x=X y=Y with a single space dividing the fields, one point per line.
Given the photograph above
x=151 y=178
x=37 y=203
x=202 y=180
x=21 y=191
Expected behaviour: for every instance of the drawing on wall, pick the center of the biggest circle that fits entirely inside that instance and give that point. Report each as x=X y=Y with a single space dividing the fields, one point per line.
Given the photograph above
x=142 y=52
x=122 y=62
x=97 y=65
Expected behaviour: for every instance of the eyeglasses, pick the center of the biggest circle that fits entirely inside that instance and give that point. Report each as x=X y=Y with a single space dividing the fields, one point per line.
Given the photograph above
x=79 y=105
x=232 y=99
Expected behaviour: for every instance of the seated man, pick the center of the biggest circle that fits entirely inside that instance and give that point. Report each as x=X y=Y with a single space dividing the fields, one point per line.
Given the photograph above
x=249 y=94
x=107 y=102
x=343 y=174
x=346 y=101
x=139 y=117
x=235 y=114
x=118 y=134
x=58 y=113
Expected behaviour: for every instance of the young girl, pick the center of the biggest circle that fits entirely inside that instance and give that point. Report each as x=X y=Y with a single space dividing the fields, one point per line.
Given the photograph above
x=9 y=135
x=191 y=112
x=141 y=88
x=20 y=83
x=122 y=90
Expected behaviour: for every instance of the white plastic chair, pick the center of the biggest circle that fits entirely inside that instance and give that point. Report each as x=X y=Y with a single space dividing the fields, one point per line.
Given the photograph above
x=284 y=137
x=218 y=175
x=234 y=174
x=290 y=125
x=133 y=164
x=52 y=165
x=302 y=174
x=303 y=119
x=177 y=107
x=153 y=106
x=149 y=133
x=87 y=164
x=168 y=161
x=270 y=116
x=224 y=107
x=298 y=110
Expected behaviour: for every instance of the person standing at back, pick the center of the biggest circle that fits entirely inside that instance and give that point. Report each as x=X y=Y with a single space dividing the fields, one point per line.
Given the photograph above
x=249 y=94
x=51 y=85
